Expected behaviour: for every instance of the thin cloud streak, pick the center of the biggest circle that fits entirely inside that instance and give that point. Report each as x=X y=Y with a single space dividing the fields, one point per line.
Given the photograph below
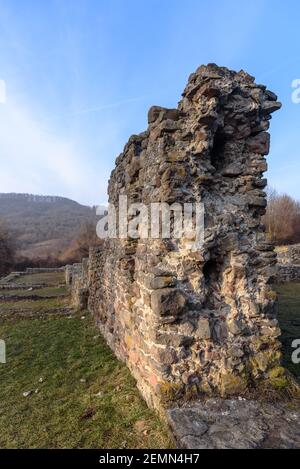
x=104 y=107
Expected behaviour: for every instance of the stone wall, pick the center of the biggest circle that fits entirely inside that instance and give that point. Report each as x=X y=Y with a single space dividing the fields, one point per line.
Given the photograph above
x=288 y=273
x=288 y=254
x=77 y=278
x=191 y=322
x=288 y=268
x=71 y=271
x=43 y=270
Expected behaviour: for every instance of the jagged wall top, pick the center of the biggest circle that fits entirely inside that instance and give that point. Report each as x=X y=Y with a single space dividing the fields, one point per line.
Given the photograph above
x=219 y=107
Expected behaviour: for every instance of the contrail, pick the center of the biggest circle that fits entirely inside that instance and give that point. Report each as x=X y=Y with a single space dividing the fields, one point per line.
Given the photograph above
x=100 y=108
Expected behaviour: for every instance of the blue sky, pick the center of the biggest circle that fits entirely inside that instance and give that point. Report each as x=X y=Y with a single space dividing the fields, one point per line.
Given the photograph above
x=81 y=74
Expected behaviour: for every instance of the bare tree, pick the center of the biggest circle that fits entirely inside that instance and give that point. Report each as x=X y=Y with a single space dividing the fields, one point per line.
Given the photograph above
x=282 y=219
x=7 y=249
x=79 y=247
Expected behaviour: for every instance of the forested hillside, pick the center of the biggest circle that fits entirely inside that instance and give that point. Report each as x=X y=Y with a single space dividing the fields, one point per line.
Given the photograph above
x=43 y=226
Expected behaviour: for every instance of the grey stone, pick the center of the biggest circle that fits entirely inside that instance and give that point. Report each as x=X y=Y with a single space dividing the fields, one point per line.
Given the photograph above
x=235 y=424
x=203 y=329
x=168 y=301
x=260 y=143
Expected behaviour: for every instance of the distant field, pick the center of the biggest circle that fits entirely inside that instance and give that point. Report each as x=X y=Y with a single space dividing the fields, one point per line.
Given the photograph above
x=24 y=305
x=49 y=278
x=42 y=292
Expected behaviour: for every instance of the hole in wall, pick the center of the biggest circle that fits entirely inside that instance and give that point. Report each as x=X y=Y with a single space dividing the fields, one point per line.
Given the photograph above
x=210 y=271
x=218 y=151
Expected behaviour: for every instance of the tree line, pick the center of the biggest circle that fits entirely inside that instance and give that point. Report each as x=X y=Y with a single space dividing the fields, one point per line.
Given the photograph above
x=77 y=250
x=7 y=249
x=282 y=218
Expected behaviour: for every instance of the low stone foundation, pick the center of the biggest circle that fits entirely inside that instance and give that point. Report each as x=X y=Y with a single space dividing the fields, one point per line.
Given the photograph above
x=43 y=270
x=77 y=278
x=288 y=268
x=30 y=271
x=288 y=273
x=288 y=254
x=71 y=271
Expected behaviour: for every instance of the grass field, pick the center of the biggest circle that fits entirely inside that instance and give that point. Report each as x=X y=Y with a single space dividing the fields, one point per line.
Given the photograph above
x=49 y=278
x=81 y=396
x=42 y=292
x=24 y=305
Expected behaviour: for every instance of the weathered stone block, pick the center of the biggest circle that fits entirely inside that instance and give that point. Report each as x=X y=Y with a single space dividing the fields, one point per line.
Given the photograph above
x=203 y=329
x=168 y=302
x=162 y=282
x=260 y=143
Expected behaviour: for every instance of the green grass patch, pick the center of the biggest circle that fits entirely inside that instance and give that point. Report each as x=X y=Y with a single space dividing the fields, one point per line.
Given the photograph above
x=49 y=278
x=42 y=292
x=76 y=365
x=288 y=314
x=33 y=306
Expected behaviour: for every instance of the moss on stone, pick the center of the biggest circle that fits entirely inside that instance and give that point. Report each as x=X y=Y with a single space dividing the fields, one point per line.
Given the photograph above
x=263 y=360
x=206 y=389
x=232 y=384
x=191 y=392
x=276 y=372
x=281 y=382
x=170 y=391
x=270 y=295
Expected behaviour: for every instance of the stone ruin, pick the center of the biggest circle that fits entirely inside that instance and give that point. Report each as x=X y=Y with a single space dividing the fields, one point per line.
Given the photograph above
x=191 y=323
x=76 y=277
x=288 y=258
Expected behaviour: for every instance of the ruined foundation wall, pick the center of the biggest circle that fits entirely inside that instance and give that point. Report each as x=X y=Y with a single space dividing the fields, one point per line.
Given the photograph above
x=189 y=322
x=77 y=279
x=288 y=255
x=288 y=273
x=288 y=259
x=43 y=270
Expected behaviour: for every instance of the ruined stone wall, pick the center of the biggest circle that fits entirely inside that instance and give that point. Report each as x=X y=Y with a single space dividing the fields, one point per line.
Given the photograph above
x=77 y=278
x=71 y=271
x=43 y=270
x=190 y=322
x=288 y=259
x=288 y=254
x=288 y=273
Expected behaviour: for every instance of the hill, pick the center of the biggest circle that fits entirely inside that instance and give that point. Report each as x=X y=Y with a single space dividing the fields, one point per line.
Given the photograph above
x=43 y=225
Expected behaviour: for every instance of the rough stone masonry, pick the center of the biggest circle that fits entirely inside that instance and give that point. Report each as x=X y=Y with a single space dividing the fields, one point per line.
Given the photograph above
x=189 y=323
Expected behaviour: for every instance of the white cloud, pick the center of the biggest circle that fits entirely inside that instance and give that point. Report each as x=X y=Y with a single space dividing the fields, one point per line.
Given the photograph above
x=36 y=159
